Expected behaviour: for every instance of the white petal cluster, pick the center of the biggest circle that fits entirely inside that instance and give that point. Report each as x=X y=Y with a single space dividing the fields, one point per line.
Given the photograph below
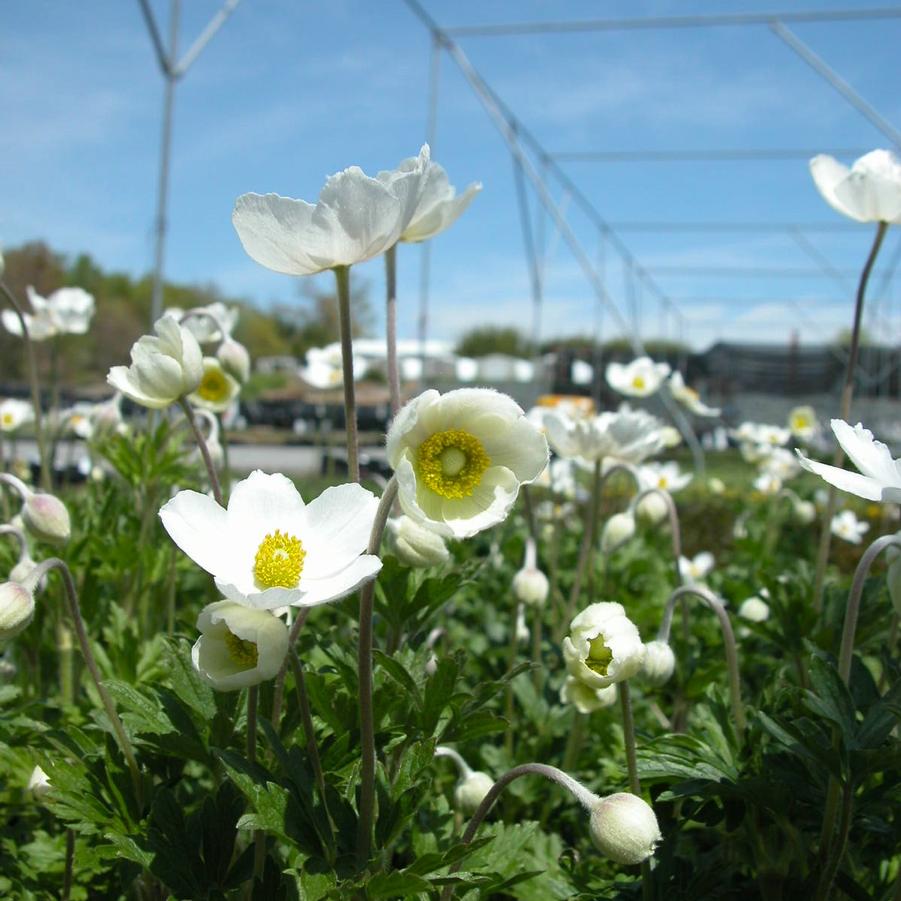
x=689 y=397
x=695 y=569
x=217 y=389
x=624 y=436
x=461 y=457
x=269 y=549
x=640 y=378
x=870 y=191
x=603 y=646
x=848 y=527
x=585 y=698
x=624 y=828
x=238 y=646
x=14 y=413
x=209 y=324
x=67 y=311
x=803 y=423
x=415 y=545
x=879 y=477
x=437 y=205
x=754 y=609
x=163 y=368
x=618 y=529
x=356 y=218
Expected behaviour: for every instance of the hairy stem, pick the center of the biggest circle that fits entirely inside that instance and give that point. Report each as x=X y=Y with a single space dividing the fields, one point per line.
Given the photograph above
x=342 y=279
x=391 y=327
x=204 y=451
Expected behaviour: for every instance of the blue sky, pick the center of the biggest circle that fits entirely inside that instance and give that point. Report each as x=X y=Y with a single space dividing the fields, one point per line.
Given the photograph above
x=289 y=92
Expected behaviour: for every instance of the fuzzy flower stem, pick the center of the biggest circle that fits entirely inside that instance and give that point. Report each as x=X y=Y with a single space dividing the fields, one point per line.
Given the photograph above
x=342 y=280
x=845 y=655
x=306 y=717
x=716 y=605
x=81 y=633
x=675 y=528
x=391 y=327
x=844 y=413
x=278 y=693
x=529 y=511
x=364 y=668
x=7 y=529
x=585 y=797
x=35 y=388
x=463 y=768
x=204 y=450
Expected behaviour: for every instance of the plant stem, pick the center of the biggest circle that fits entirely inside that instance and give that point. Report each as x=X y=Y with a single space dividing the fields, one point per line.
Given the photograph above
x=625 y=702
x=35 y=388
x=81 y=633
x=574 y=741
x=846 y=653
x=342 y=279
x=586 y=798
x=259 y=842
x=588 y=532
x=364 y=668
x=714 y=603
x=279 y=691
x=844 y=413
x=204 y=451
x=391 y=327
x=69 y=871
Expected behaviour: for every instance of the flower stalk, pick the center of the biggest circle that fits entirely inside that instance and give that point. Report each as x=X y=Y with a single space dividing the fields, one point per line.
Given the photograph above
x=391 y=328
x=714 y=603
x=364 y=667
x=844 y=413
x=35 y=388
x=342 y=281
x=204 y=451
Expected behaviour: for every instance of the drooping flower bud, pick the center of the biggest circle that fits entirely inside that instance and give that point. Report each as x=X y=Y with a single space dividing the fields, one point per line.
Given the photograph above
x=16 y=609
x=659 y=662
x=624 y=828
x=603 y=646
x=754 y=609
x=471 y=790
x=39 y=783
x=47 y=518
x=617 y=531
x=234 y=358
x=805 y=512
x=531 y=587
x=584 y=699
x=415 y=545
x=652 y=508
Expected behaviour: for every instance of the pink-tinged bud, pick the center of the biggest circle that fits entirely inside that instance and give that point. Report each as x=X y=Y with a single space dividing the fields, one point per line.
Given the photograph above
x=624 y=828
x=47 y=518
x=16 y=609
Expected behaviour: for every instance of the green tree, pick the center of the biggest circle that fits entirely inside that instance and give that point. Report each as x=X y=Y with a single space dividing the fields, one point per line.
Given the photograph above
x=493 y=339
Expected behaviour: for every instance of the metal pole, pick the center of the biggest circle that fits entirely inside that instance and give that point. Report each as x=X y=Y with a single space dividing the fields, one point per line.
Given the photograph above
x=425 y=264
x=156 y=302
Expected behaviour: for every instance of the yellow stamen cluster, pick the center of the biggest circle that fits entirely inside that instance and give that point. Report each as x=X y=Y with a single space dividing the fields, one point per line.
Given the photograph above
x=213 y=386
x=244 y=653
x=8 y=419
x=451 y=463
x=638 y=383
x=279 y=561
x=599 y=656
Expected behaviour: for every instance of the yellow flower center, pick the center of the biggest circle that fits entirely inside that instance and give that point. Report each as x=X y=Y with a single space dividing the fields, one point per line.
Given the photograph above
x=638 y=383
x=214 y=385
x=452 y=463
x=279 y=561
x=801 y=422
x=8 y=419
x=244 y=653
x=662 y=482
x=599 y=656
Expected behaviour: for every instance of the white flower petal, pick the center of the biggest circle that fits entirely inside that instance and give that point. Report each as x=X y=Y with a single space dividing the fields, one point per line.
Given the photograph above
x=197 y=524
x=339 y=523
x=271 y=229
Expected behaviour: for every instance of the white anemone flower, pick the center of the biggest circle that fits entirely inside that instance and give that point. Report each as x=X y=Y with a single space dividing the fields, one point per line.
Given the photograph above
x=585 y=699
x=695 y=569
x=624 y=436
x=666 y=476
x=238 y=646
x=640 y=378
x=209 y=323
x=67 y=311
x=460 y=458
x=870 y=191
x=803 y=423
x=848 y=527
x=163 y=369
x=689 y=397
x=879 y=478
x=781 y=463
x=269 y=549
x=356 y=218
x=14 y=413
x=603 y=646
x=438 y=205
x=217 y=389
x=754 y=609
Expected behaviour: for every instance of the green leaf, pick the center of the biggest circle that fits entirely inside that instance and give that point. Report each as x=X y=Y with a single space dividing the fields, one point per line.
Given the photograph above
x=399 y=884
